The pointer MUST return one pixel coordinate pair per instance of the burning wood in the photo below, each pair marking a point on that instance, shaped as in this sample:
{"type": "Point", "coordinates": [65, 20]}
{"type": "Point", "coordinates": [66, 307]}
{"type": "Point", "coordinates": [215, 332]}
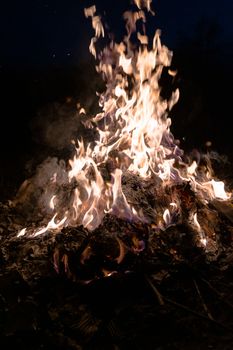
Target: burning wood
{"type": "Point", "coordinates": [130, 200]}
{"type": "Point", "coordinates": [133, 138]}
{"type": "Point", "coordinates": [133, 171]}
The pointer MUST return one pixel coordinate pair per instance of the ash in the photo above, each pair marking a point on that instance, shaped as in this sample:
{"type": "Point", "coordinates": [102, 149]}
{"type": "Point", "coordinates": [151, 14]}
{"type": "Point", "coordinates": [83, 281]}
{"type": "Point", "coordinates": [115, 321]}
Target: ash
{"type": "Point", "coordinates": [113, 287]}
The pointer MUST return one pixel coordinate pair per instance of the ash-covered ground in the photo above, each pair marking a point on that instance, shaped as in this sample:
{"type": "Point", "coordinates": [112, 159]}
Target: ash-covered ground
{"type": "Point", "coordinates": [124, 285]}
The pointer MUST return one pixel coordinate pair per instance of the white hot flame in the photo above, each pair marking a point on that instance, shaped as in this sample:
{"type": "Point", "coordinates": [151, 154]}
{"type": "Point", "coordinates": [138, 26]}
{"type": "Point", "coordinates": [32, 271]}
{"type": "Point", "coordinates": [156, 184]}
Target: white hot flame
{"type": "Point", "coordinates": [133, 135]}
{"type": "Point", "coordinates": [52, 203]}
{"type": "Point", "coordinates": [22, 232]}
{"type": "Point", "coordinates": [51, 226]}
{"type": "Point", "coordinates": [203, 239]}
{"type": "Point", "coordinates": [219, 190]}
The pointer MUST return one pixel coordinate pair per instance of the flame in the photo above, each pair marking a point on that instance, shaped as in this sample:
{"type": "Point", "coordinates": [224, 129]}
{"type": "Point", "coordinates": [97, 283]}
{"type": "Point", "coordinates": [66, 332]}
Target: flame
{"type": "Point", "coordinates": [168, 215]}
{"type": "Point", "coordinates": [202, 238]}
{"type": "Point", "coordinates": [191, 170]}
{"type": "Point", "coordinates": [52, 202]}
{"type": "Point", "coordinates": [51, 226]}
{"type": "Point", "coordinates": [219, 190]}
{"type": "Point", "coordinates": [22, 232]}
{"type": "Point", "coordinates": [133, 134]}
{"type": "Point", "coordinates": [120, 206]}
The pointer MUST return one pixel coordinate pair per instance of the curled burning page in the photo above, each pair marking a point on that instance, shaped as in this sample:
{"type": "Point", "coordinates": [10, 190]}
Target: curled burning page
{"type": "Point", "coordinates": [133, 137]}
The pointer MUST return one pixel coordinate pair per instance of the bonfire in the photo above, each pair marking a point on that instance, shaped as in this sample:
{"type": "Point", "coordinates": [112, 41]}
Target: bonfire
{"type": "Point", "coordinates": [129, 198]}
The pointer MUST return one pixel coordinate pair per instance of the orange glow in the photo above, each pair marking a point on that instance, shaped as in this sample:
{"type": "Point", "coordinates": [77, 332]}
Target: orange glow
{"type": "Point", "coordinates": [133, 132]}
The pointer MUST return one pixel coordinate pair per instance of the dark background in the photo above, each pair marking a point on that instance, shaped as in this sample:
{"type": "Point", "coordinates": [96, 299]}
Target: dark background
{"type": "Point", "coordinates": [45, 66]}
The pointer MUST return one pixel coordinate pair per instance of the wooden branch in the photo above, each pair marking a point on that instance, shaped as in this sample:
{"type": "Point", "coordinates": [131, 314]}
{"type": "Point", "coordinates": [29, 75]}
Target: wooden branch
{"type": "Point", "coordinates": [224, 300]}
{"type": "Point", "coordinates": [202, 301]}
{"type": "Point", "coordinates": [187, 309]}
{"type": "Point", "coordinates": [155, 290]}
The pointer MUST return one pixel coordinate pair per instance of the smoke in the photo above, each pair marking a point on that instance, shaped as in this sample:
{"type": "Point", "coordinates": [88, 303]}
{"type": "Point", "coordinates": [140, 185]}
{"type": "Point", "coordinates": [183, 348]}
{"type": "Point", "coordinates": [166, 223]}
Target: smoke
{"type": "Point", "coordinates": [56, 125]}
{"type": "Point", "coordinates": [34, 192]}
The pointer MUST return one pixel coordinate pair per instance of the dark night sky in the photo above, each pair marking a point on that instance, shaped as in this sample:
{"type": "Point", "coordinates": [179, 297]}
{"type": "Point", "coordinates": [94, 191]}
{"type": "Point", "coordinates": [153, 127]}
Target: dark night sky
{"type": "Point", "coordinates": [42, 32]}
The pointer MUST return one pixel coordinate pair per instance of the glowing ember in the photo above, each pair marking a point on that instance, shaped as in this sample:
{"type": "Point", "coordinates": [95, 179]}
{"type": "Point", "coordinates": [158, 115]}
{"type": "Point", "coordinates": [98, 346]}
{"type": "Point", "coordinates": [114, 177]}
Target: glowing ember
{"type": "Point", "coordinates": [134, 136]}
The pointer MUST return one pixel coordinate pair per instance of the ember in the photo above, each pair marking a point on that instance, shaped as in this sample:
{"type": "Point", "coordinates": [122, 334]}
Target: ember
{"type": "Point", "coordinates": [130, 201]}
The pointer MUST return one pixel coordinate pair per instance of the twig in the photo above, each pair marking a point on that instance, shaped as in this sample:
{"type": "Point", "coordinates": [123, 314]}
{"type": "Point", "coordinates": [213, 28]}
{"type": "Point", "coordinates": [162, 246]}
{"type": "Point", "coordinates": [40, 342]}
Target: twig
{"type": "Point", "coordinates": [202, 300]}
{"type": "Point", "coordinates": [159, 296]}
{"type": "Point", "coordinates": [217, 292]}
{"type": "Point", "coordinates": [217, 323]}
{"type": "Point", "coordinates": [187, 309]}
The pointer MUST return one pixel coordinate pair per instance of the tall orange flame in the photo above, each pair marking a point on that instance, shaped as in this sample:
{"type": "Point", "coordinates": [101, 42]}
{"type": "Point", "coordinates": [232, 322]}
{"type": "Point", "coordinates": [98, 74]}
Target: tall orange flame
{"type": "Point", "coordinates": [134, 126]}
